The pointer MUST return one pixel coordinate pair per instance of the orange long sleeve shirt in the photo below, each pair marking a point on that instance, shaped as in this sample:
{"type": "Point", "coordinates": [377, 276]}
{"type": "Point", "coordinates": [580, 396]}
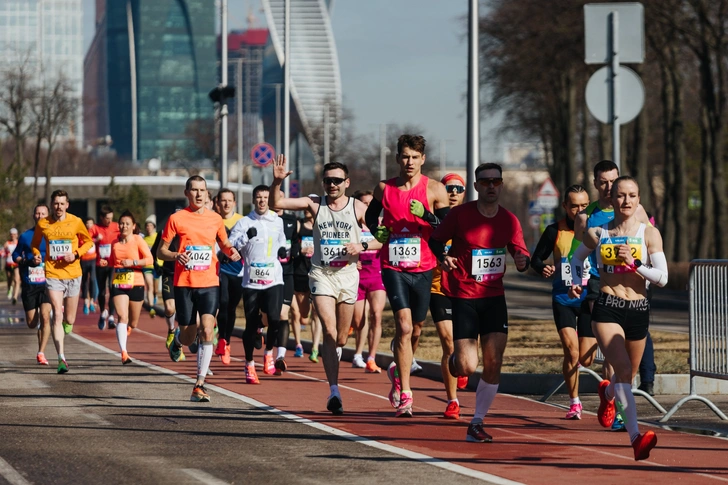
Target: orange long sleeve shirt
{"type": "Point", "coordinates": [62, 237]}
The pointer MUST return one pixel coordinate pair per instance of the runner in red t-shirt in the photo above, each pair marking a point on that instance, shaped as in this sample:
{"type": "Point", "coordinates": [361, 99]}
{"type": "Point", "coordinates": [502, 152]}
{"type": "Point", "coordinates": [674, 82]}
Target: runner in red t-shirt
{"type": "Point", "coordinates": [104, 234]}
{"type": "Point", "coordinates": [407, 262]}
{"type": "Point", "coordinates": [481, 232]}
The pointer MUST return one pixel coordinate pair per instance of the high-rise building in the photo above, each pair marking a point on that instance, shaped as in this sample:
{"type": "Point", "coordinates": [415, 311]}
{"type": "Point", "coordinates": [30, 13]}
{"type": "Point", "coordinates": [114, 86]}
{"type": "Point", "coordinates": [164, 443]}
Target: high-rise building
{"type": "Point", "coordinates": [155, 62]}
{"type": "Point", "coordinates": [49, 34]}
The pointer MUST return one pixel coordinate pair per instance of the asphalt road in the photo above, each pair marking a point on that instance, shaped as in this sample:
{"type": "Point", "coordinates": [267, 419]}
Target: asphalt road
{"type": "Point", "coordinates": [103, 422]}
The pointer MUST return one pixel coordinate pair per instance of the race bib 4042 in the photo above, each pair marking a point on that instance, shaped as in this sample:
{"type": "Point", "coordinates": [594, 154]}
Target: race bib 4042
{"type": "Point", "coordinates": [488, 264]}
{"type": "Point", "coordinates": [200, 257]}
{"type": "Point", "coordinates": [404, 251]}
{"type": "Point", "coordinates": [333, 252]}
{"type": "Point", "coordinates": [58, 248]}
{"type": "Point", "coordinates": [262, 273]}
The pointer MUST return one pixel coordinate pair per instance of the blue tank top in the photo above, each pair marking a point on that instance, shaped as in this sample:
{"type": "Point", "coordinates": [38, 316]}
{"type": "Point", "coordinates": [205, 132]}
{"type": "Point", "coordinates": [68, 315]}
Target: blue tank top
{"type": "Point", "coordinates": [597, 217]}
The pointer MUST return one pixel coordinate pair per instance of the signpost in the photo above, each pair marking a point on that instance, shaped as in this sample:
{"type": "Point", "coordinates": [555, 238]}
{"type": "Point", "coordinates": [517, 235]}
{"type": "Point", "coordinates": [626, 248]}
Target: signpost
{"type": "Point", "coordinates": [548, 195]}
{"type": "Point", "coordinates": [262, 155]}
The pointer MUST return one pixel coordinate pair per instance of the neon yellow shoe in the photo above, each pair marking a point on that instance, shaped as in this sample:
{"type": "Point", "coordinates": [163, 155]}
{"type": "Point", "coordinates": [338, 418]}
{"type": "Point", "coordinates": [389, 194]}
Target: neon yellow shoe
{"type": "Point", "coordinates": [67, 327]}
{"type": "Point", "coordinates": [170, 338]}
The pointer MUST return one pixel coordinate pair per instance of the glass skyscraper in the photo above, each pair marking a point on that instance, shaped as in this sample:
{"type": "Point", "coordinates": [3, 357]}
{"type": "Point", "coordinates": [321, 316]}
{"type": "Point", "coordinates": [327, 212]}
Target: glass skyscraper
{"type": "Point", "coordinates": [172, 59]}
{"type": "Point", "coordinates": [49, 33]}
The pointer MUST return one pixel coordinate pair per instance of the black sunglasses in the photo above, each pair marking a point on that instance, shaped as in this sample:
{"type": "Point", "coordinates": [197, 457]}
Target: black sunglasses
{"type": "Point", "coordinates": [496, 181]}
{"type": "Point", "coordinates": [333, 180]}
{"type": "Point", "coordinates": [459, 189]}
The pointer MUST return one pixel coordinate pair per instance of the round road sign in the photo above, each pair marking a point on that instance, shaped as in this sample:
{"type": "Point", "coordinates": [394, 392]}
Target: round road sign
{"type": "Point", "coordinates": [262, 154]}
{"type": "Point", "coordinates": [631, 95]}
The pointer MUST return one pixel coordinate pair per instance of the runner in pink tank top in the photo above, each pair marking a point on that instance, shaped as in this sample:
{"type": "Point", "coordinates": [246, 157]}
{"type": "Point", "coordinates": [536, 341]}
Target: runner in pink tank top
{"type": "Point", "coordinates": [408, 202]}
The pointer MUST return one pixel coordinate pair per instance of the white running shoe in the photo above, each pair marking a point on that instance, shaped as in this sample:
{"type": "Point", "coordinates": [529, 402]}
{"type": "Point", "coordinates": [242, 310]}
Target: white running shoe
{"type": "Point", "coordinates": [416, 368]}
{"type": "Point", "coordinates": [358, 362]}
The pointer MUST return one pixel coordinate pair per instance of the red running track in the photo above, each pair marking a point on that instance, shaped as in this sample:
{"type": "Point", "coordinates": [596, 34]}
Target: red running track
{"type": "Point", "coordinates": [532, 441]}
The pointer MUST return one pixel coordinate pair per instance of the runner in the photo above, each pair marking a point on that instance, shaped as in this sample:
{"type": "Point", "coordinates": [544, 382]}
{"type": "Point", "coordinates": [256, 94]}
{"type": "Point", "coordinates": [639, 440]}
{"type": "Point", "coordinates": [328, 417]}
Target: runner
{"type": "Point", "coordinates": [129, 255]}
{"type": "Point", "coordinates": [36, 304]}
{"type": "Point", "coordinates": [261, 240]}
{"type": "Point", "coordinates": [573, 325]}
{"type": "Point", "coordinates": [407, 261]}
{"type": "Point", "coordinates": [89, 286]}
{"type": "Point", "coordinates": [150, 229]}
{"type": "Point", "coordinates": [481, 232]}
{"type": "Point", "coordinates": [11, 265]}
{"type": "Point", "coordinates": [333, 277]}
{"type": "Point", "coordinates": [231, 284]}
{"type": "Point", "coordinates": [196, 281]}
{"type": "Point", "coordinates": [66, 241]}
{"type": "Point", "coordinates": [441, 309]}
{"type": "Point", "coordinates": [630, 253]}
{"type": "Point", "coordinates": [371, 290]}
{"type": "Point", "coordinates": [302, 290]}
{"type": "Point", "coordinates": [104, 234]}
{"type": "Point", "coordinates": [290, 228]}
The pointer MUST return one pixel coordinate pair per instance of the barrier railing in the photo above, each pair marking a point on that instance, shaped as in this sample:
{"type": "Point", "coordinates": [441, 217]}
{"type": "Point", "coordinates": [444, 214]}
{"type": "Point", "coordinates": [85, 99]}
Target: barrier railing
{"type": "Point", "coordinates": [708, 290]}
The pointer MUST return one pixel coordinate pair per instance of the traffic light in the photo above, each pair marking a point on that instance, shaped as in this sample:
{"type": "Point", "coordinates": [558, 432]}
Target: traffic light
{"type": "Point", "coordinates": [221, 94]}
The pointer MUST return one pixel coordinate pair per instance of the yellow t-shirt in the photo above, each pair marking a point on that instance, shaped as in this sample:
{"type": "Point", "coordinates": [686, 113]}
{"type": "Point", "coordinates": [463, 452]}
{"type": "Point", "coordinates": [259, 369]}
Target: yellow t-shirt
{"type": "Point", "coordinates": [230, 223]}
{"type": "Point", "coordinates": [62, 237]}
{"type": "Point", "coordinates": [150, 242]}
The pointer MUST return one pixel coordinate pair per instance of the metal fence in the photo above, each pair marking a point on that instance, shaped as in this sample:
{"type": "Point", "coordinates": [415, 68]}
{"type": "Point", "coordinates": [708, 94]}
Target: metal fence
{"type": "Point", "coordinates": [708, 289]}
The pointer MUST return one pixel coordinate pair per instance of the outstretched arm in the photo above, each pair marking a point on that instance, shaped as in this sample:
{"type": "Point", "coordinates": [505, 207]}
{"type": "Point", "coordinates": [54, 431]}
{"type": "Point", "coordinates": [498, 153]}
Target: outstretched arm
{"type": "Point", "coordinates": [278, 200]}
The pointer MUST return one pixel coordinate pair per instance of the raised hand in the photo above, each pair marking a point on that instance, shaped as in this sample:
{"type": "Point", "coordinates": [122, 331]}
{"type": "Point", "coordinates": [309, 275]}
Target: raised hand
{"type": "Point", "coordinates": [280, 168]}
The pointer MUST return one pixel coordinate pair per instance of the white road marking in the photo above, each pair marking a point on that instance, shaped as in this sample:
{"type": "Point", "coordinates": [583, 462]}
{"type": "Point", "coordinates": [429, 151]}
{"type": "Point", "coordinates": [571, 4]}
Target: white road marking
{"type": "Point", "coordinates": [422, 458]}
{"type": "Point", "coordinates": [11, 474]}
{"type": "Point", "coordinates": [203, 477]}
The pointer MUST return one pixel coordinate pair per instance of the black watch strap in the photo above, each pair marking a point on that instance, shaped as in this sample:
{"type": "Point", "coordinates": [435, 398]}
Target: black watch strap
{"type": "Point", "coordinates": [365, 245]}
{"type": "Point", "coordinates": [637, 263]}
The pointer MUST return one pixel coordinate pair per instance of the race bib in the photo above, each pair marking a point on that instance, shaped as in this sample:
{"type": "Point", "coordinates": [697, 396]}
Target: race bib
{"type": "Point", "coordinates": [104, 251]}
{"type": "Point", "coordinates": [58, 248]}
{"type": "Point", "coordinates": [488, 264]}
{"type": "Point", "coordinates": [200, 257]}
{"type": "Point", "coordinates": [262, 273]}
{"type": "Point", "coordinates": [404, 251]}
{"type": "Point", "coordinates": [608, 252]}
{"type": "Point", "coordinates": [288, 251]}
{"type": "Point", "coordinates": [123, 279]}
{"type": "Point", "coordinates": [92, 249]}
{"type": "Point", "coordinates": [307, 242]}
{"type": "Point", "coordinates": [36, 274]}
{"type": "Point", "coordinates": [333, 252]}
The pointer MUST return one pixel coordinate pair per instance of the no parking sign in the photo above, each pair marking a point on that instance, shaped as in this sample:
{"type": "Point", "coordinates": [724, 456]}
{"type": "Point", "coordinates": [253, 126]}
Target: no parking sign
{"type": "Point", "coordinates": [262, 154]}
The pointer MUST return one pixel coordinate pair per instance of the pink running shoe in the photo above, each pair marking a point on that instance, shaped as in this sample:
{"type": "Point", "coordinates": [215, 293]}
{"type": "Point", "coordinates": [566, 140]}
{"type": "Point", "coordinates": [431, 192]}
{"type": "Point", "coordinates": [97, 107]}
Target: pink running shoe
{"type": "Point", "coordinates": [574, 411]}
{"type": "Point", "coordinates": [404, 410]}
{"type": "Point", "coordinates": [394, 393]}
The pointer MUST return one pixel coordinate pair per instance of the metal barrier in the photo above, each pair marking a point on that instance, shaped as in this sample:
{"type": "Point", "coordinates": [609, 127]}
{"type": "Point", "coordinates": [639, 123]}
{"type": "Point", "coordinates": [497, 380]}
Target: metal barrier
{"type": "Point", "coordinates": [708, 290]}
{"type": "Point", "coordinates": [599, 359]}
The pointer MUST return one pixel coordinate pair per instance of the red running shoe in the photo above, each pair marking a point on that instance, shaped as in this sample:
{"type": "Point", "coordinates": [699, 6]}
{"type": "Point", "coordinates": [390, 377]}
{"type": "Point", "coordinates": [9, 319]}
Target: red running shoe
{"type": "Point", "coordinates": [220, 349]}
{"type": "Point", "coordinates": [463, 382]}
{"type": "Point", "coordinates": [643, 444]}
{"type": "Point", "coordinates": [269, 367]}
{"type": "Point", "coordinates": [607, 411]}
{"type": "Point", "coordinates": [251, 377]}
{"type": "Point", "coordinates": [452, 410]}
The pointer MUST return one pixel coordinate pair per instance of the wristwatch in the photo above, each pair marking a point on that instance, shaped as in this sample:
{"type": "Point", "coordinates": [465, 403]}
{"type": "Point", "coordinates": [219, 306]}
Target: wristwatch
{"type": "Point", "coordinates": [637, 263]}
{"type": "Point", "coordinates": [365, 245]}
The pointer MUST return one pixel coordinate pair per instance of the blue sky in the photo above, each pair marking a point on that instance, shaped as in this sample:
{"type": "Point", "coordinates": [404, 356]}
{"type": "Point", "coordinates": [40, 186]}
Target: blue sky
{"type": "Point", "coordinates": [401, 61]}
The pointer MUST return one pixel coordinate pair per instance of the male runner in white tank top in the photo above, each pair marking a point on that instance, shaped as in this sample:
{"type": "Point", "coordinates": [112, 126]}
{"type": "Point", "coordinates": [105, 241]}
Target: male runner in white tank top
{"type": "Point", "coordinates": [333, 278]}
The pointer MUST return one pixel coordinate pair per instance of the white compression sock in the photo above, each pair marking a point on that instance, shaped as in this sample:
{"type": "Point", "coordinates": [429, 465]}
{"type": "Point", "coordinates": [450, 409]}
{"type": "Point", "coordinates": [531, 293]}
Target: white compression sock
{"type": "Point", "coordinates": [121, 335]}
{"type": "Point", "coordinates": [170, 321]}
{"type": "Point", "coordinates": [628, 408]}
{"type": "Point", "coordinates": [484, 396]}
{"type": "Point", "coordinates": [204, 356]}
{"type": "Point", "coordinates": [281, 353]}
{"type": "Point", "coordinates": [339, 351]}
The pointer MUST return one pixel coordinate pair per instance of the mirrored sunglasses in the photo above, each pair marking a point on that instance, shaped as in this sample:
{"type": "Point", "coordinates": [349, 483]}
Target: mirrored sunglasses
{"type": "Point", "coordinates": [458, 189]}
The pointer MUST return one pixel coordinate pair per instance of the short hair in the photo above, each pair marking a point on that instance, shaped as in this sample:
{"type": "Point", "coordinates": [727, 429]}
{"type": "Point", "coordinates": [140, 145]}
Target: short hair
{"type": "Point", "coordinates": [413, 142]}
{"type": "Point", "coordinates": [225, 191]}
{"type": "Point", "coordinates": [194, 178]}
{"type": "Point", "coordinates": [605, 166]}
{"type": "Point", "coordinates": [488, 166]}
{"type": "Point", "coordinates": [60, 193]}
{"type": "Point", "coordinates": [623, 178]}
{"type": "Point", "coordinates": [334, 166]}
{"type": "Point", "coordinates": [260, 188]}
{"type": "Point", "coordinates": [105, 211]}
{"type": "Point", "coordinates": [573, 189]}
{"type": "Point", "coordinates": [40, 205]}
{"type": "Point", "coordinates": [361, 193]}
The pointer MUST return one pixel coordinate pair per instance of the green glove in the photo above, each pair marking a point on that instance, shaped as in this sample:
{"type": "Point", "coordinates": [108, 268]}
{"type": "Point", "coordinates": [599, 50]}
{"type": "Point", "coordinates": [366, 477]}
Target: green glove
{"type": "Point", "coordinates": [381, 234]}
{"type": "Point", "coordinates": [417, 208]}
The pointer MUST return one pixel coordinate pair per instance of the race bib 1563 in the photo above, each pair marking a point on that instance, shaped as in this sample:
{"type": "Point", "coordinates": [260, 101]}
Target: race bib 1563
{"type": "Point", "coordinates": [488, 264]}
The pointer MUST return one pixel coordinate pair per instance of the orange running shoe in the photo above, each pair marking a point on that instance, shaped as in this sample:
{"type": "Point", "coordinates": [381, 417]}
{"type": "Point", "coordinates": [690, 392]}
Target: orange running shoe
{"type": "Point", "coordinates": [269, 367]}
{"type": "Point", "coordinates": [41, 359]}
{"type": "Point", "coordinates": [372, 367]}
{"type": "Point", "coordinates": [125, 358]}
{"type": "Point", "coordinates": [607, 411]}
{"type": "Point", "coordinates": [643, 444]}
{"type": "Point", "coordinates": [463, 382]}
{"type": "Point", "coordinates": [251, 377]}
{"type": "Point", "coordinates": [225, 357]}
{"type": "Point", "coordinates": [452, 410]}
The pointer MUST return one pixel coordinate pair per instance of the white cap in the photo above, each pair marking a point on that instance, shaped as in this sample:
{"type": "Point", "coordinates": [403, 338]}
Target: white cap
{"type": "Point", "coordinates": [153, 219]}
{"type": "Point", "coordinates": [13, 231]}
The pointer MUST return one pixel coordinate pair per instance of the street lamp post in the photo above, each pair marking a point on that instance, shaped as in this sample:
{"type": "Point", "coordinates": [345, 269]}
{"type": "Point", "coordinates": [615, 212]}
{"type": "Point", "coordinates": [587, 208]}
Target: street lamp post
{"type": "Point", "coordinates": [287, 88]}
{"type": "Point", "coordinates": [223, 106]}
{"type": "Point", "coordinates": [473, 100]}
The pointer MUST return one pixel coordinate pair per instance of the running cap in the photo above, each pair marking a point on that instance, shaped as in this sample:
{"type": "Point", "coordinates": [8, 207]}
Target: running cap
{"type": "Point", "coordinates": [153, 219]}
{"type": "Point", "coordinates": [452, 176]}
{"type": "Point", "coordinates": [13, 231]}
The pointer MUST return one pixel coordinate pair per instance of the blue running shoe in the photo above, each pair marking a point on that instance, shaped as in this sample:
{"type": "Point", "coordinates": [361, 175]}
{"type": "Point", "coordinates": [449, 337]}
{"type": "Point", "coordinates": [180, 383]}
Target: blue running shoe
{"type": "Point", "coordinates": [299, 351]}
{"type": "Point", "coordinates": [618, 424]}
{"type": "Point", "coordinates": [175, 350]}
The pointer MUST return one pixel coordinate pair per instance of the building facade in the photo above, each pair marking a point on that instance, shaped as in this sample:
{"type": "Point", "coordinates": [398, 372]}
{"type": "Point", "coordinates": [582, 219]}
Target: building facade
{"type": "Point", "coordinates": [48, 35]}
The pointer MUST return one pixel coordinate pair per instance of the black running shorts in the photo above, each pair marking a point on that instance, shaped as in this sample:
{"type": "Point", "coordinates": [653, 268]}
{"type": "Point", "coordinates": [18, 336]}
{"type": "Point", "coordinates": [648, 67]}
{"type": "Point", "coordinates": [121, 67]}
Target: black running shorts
{"type": "Point", "coordinates": [135, 293]}
{"type": "Point", "coordinates": [440, 307]}
{"type": "Point", "coordinates": [33, 296]}
{"type": "Point", "coordinates": [408, 290]}
{"type": "Point", "coordinates": [300, 283]}
{"type": "Point", "coordinates": [267, 301]}
{"type": "Point", "coordinates": [572, 317]}
{"type": "Point", "coordinates": [472, 317]}
{"type": "Point", "coordinates": [167, 287]}
{"type": "Point", "coordinates": [632, 315]}
{"type": "Point", "coordinates": [191, 301]}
